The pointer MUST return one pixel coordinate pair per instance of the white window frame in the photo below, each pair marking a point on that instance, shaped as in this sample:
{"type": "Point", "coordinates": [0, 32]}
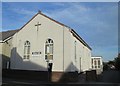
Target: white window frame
{"type": "Point", "coordinates": [49, 45]}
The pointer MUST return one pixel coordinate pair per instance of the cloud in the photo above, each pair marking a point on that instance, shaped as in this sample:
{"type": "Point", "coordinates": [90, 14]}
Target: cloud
{"type": "Point", "coordinates": [97, 24]}
{"type": "Point", "coordinates": [23, 11]}
{"type": "Point", "coordinates": [93, 23]}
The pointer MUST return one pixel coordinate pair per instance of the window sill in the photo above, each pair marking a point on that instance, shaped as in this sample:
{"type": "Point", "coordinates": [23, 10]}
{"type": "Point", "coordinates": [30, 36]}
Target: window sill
{"type": "Point", "coordinates": [26, 59]}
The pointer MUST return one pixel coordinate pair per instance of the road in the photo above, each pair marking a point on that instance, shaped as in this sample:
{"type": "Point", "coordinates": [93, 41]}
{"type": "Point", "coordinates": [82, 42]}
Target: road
{"type": "Point", "coordinates": [110, 76]}
{"type": "Point", "coordinates": [107, 78]}
{"type": "Point", "coordinates": [14, 82]}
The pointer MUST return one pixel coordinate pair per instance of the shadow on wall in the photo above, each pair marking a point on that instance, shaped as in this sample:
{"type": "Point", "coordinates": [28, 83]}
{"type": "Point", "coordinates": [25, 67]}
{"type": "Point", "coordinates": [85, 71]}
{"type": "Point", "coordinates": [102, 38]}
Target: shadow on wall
{"type": "Point", "coordinates": [22, 69]}
{"type": "Point", "coordinates": [17, 60]}
{"type": "Point", "coordinates": [5, 62]}
{"type": "Point", "coordinates": [20, 72]}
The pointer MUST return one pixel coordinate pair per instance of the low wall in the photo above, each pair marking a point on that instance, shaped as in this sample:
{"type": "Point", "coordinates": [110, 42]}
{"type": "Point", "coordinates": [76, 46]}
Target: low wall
{"type": "Point", "coordinates": [91, 76]}
{"type": "Point", "coordinates": [25, 74]}
{"type": "Point", "coordinates": [64, 77]}
{"type": "Point", "coordinates": [41, 75]}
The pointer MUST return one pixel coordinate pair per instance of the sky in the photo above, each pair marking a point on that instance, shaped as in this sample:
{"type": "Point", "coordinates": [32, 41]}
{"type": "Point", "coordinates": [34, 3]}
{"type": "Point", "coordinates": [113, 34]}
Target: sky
{"type": "Point", "coordinates": [95, 22]}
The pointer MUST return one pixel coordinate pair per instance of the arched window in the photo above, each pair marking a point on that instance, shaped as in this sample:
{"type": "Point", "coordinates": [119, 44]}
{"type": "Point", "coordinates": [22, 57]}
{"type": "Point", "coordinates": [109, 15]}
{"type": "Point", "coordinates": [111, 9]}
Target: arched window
{"type": "Point", "coordinates": [27, 50]}
{"type": "Point", "coordinates": [49, 49]}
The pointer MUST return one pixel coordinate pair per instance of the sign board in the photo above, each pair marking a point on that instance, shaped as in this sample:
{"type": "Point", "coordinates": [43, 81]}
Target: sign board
{"type": "Point", "coordinates": [36, 53]}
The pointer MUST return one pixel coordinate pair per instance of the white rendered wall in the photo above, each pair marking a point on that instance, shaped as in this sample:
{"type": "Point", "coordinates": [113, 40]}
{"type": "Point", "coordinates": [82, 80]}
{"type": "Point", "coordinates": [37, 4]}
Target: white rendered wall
{"type": "Point", "coordinates": [83, 56]}
{"type": "Point", "coordinates": [48, 29]}
{"type": "Point", "coordinates": [68, 64]}
{"type": "Point", "coordinates": [64, 49]}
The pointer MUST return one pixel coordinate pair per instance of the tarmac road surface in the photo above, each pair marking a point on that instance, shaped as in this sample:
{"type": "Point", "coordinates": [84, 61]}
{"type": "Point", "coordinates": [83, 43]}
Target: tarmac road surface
{"type": "Point", "coordinates": [14, 82]}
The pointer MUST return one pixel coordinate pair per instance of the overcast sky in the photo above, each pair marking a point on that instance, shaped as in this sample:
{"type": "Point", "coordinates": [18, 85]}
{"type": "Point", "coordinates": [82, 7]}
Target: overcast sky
{"type": "Point", "coordinates": [96, 23]}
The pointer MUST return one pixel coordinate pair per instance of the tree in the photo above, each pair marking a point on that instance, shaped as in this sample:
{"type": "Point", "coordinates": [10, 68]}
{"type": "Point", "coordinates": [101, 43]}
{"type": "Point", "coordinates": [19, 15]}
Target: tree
{"type": "Point", "coordinates": [111, 63]}
{"type": "Point", "coordinates": [105, 66]}
{"type": "Point", "coordinates": [117, 62]}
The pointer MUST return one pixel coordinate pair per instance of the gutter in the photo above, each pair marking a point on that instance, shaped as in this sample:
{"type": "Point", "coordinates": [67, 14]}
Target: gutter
{"type": "Point", "coordinates": [3, 41]}
{"type": "Point", "coordinates": [79, 38]}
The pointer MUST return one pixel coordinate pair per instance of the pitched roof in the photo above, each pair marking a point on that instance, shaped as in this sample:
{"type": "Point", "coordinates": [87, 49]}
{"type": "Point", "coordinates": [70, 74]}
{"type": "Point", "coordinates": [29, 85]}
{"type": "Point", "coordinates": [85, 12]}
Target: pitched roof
{"type": "Point", "coordinates": [44, 16]}
{"type": "Point", "coordinates": [4, 35]}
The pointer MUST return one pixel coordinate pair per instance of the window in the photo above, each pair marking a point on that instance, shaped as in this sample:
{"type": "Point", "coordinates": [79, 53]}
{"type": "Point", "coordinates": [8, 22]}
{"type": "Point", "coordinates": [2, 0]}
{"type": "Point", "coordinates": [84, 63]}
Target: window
{"type": "Point", "coordinates": [49, 49]}
{"type": "Point", "coordinates": [95, 63]}
{"type": "Point", "coordinates": [98, 63]}
{"type": "Point", "coordinates": [98, 66]}
{"type": "Point", "coordinates": [27, 50]}
{"type": "Point", "coordinates": [92, 66]}
{"type": "Point", "coordinates": [92, 61]}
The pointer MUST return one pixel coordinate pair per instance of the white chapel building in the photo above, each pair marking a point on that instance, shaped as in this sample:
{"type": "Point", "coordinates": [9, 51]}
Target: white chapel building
{"type": "Point", "coordinates": [43, 40]}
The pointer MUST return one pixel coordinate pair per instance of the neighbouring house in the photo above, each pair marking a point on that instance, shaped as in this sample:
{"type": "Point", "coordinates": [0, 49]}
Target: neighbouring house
{"type": "Point", "coordinates": [97, 64]}
{"type": "Point", "coordinates": [0, 69]}
{"type": "Point", "coordinates": [5, 47]}
{"type": "Point", "coordinates": [44, 44]}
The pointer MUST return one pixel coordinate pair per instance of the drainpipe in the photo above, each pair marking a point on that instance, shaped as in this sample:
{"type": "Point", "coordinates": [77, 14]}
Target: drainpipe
{"type": "Point", "coordinates": [80, 64]}
{"type": "Point", "coordinates": [75, 56]}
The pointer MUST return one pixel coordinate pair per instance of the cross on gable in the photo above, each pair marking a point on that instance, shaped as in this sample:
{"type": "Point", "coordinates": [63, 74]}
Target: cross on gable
{"type": "Point", "coordinates": [37, 25]}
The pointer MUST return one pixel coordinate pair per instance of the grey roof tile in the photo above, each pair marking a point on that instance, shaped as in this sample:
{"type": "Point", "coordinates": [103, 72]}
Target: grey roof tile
{"type": "Point", "coordinates": [6, 34]}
